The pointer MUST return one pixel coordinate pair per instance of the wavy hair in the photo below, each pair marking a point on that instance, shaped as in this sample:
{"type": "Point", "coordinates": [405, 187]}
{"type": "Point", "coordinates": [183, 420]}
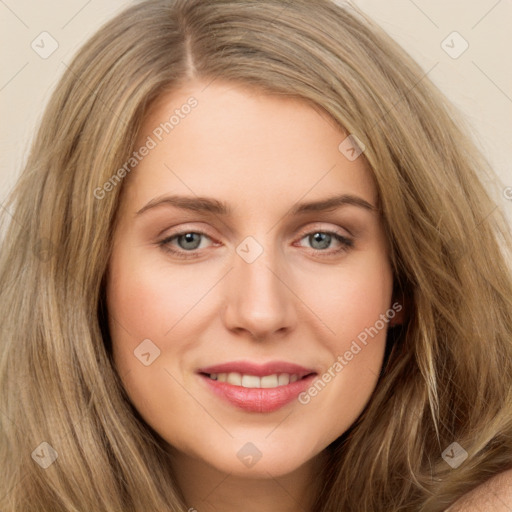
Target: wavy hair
{"type": "Point", "coordinates": [448, 374]}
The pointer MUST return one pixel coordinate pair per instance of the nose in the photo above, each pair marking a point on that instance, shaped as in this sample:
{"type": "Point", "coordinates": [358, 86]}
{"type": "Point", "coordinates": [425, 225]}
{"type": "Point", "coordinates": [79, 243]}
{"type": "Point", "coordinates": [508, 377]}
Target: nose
{"type": "Point", "coordinates": [259, 300]}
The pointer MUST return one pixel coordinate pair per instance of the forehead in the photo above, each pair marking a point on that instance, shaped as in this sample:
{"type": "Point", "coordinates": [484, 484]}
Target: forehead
{"type": "Point", "coordinates": [243, 146]}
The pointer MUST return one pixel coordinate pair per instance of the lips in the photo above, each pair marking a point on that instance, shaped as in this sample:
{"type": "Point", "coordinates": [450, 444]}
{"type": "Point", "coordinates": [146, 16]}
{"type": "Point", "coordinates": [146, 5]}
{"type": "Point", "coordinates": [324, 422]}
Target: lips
{"type": "Point", "coordinates": [256, 387]}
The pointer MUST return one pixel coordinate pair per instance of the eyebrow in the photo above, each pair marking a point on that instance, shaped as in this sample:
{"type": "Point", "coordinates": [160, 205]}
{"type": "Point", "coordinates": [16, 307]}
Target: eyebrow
{"type": "Point", "coordinates": [210, 205]}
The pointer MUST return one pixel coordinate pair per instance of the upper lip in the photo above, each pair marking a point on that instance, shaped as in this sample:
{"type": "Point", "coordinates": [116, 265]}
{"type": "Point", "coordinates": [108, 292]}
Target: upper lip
{"type": "Point", "coordinates": [258, 369]}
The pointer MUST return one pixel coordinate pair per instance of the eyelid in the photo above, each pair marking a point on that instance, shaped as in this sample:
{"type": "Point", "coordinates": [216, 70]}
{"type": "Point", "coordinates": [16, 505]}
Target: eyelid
{"type": "Point", "coordinates": [185, 227]}
{"type": "Point", "coordinates": [320, 227]}
{"type": "Point", "coordinates": [307, 229]}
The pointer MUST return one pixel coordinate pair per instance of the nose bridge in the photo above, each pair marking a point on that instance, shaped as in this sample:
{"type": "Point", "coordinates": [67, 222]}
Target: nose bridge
{"type": "Point", "coordinates": [258, 300]}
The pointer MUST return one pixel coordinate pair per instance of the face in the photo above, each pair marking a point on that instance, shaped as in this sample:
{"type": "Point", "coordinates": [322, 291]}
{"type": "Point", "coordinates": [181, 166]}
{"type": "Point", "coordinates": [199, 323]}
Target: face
{"type": "Point", "coordinates": [249, 287]}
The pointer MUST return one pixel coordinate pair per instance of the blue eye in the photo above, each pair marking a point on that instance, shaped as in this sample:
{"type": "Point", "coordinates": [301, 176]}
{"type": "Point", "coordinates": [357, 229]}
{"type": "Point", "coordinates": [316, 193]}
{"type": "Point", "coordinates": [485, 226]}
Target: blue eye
{"type": "Point", "coordinates": [187, 244]}
{"type": "Point", "coordinates": [321, 240]}
{"type": "Point", "coordinates": [189, 241]}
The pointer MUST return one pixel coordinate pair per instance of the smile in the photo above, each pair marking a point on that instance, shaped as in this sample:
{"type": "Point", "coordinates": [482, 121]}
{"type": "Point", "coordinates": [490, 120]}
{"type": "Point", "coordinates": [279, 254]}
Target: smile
{"type": "Point", "coordinates": [253, 381]}
{"type": "Point", "coordinates": [257, 388]}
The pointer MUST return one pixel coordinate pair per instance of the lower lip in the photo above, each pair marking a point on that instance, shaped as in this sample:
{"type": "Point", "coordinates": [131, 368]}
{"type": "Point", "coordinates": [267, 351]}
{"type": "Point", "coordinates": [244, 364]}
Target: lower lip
{"type": "Point", "coordinates": [259, 399]}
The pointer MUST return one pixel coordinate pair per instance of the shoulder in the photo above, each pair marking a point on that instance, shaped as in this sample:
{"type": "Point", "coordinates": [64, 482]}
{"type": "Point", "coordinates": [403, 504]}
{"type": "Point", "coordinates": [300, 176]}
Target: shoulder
{"type": "Point", "coordinates": [495, 494]}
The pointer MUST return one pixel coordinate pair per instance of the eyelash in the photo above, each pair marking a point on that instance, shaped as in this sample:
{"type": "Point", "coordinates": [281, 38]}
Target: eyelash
{"type": "Point", "coordinates": [346, 244]}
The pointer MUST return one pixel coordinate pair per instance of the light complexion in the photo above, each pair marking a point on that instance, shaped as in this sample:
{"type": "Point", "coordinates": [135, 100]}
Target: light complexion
{"type": "Point", "coordinates": [180, 276]}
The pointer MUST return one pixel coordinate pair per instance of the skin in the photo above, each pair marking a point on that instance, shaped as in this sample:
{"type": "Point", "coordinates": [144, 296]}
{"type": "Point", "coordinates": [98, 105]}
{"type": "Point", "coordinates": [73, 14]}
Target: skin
{"type": "Point", "coordinates": [298, 301]}
{"type": "Point", "coordinates": [495, 494]}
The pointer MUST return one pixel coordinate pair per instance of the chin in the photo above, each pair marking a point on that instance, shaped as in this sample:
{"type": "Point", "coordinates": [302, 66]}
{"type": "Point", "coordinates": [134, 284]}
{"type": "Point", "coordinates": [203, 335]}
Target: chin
{"type": "Point", "coordinates": [270, 465]}
{"type": "Point", "coordinates": [254, 459]}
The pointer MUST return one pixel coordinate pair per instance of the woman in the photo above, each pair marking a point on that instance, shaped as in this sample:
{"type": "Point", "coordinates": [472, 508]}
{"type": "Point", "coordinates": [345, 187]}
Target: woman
{"type": "Point", "coordinates": [252, 264]}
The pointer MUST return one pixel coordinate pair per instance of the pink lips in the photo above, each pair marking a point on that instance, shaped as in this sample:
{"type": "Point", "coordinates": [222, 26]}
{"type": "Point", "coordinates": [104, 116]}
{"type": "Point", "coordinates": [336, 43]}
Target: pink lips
{"type": "Point", "coordinates": [261, 400]}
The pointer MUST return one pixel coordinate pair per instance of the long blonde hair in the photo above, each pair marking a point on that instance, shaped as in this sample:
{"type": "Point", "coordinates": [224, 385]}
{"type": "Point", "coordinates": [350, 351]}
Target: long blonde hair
{"type": "Point", "coordinates": [448, 373]}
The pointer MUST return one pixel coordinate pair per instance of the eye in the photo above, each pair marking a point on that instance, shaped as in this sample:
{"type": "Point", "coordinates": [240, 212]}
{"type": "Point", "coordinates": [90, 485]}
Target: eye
{"type": "Point", "coordinates": [320, 241]}
{"type": "Point", "coordinates": [185, 242]}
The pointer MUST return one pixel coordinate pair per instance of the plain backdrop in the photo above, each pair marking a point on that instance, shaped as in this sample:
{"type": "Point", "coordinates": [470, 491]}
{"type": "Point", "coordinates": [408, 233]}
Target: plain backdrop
{"type": "Point", "coordinates": [463, 46]}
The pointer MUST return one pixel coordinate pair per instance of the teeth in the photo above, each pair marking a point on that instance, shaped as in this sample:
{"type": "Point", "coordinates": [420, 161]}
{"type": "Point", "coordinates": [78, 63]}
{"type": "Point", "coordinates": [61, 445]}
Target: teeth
{"type": "Point", "coordinates": [234, 378]}
{"type": "Point", "coordinates": [252, 381]}
{"type": "Point", "coordinates": [283, 379]}
{"type": "Point", "coordinates": [269, 381]}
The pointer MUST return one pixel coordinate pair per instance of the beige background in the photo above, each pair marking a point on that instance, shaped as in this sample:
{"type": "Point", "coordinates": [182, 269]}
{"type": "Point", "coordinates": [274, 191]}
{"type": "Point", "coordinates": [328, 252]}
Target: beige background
{"type": "Point", "coordinates": [478, 81]}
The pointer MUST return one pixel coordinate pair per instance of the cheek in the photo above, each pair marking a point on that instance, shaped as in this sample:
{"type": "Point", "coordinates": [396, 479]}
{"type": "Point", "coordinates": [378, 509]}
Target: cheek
{"type": "Point", "coordinates": [350, 298]}
{"type": "Point", "coordinates": [351, 303]}
{"type": "Point", "coordinates": [141, 307]}
{"type": "Point", "coordinates": [146, 298]}
{"type": "Point", "coordinates": [145, 302]}
{"type": "Point", "coordinates": [149, 300]}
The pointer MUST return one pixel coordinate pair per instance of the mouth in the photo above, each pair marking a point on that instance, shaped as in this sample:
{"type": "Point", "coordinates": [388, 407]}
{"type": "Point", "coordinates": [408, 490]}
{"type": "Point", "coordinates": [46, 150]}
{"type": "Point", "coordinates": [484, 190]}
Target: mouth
{"type": "Point", "coordinates": [257, 388]}
{"type": "Point", "coordinates": [253, 381]}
